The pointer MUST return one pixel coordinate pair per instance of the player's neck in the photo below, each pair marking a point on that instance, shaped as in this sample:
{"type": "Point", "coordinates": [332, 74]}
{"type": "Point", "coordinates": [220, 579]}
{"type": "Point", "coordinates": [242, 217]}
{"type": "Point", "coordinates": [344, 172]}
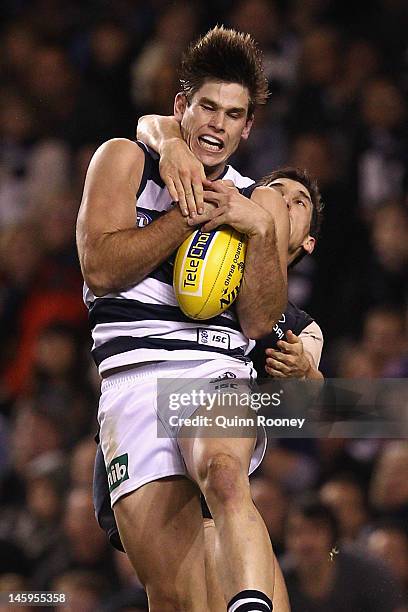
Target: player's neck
{"type": "Point", "coordinates": [214, 172]}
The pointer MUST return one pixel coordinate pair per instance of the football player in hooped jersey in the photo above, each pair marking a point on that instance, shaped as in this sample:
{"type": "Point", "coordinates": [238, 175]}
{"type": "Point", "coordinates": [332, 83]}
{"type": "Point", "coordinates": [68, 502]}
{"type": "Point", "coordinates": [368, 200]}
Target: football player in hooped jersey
{"type": "Point", "coordinates": [140, 335]}
{"type": "Point", "coordinates": [291, 355]}
{"type": "Point", "coordinates": [291, 350]}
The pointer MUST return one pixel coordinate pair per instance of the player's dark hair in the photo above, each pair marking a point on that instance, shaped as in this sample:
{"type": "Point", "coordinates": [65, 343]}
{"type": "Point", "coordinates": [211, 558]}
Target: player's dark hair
{"type": "Point", "coordinates": [225, 55]}
{"type": "Point", "coordinates": [301, 176]}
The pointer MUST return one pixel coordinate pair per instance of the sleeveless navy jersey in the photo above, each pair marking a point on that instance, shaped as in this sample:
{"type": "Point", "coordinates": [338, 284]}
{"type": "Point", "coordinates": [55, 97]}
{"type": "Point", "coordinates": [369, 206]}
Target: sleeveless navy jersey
{"type": "Point", "coordinates": [293, 318]}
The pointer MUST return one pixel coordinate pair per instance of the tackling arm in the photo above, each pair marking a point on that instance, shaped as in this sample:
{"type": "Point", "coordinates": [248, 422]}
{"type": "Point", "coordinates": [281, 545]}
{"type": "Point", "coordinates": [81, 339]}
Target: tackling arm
{"type": "Point", "coordinates": [265, 222]}
{"type": "Point", "coordinates": [180, 170]}
{"type": "Point", "coordinates": [263, 294]}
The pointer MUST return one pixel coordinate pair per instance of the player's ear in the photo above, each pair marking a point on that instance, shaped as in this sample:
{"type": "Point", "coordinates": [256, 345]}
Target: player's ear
{"type": "Point", "coordinates": [180, 104]}
{"type": "Point", "coordinates": [247, 129]}
{"type": "Point", "coordinates": [309, 244]}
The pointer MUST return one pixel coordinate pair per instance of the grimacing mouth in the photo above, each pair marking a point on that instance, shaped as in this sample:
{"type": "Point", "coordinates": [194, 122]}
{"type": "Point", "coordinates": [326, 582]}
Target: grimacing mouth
{"type": "Point", "coordinates": [210, 143]}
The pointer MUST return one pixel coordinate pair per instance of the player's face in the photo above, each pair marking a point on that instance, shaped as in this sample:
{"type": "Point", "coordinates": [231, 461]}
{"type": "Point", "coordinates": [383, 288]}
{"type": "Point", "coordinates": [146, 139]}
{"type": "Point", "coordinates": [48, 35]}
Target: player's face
{"type": "Point", "coordinates": [300, 207]}
{"type": "Point", "coordinates": [214, 122]}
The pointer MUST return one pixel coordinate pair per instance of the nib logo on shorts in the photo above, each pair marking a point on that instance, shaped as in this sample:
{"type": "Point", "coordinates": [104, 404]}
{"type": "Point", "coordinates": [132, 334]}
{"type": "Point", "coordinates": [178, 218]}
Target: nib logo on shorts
{"type": "Point", "coordinates": [117, 471]}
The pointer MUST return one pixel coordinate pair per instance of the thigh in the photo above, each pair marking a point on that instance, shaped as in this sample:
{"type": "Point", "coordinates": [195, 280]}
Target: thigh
{"type": "Point", "coordinates": [197, 448]}
{"type": "Point", "coordinates": [225, 423]}
{"type": "Point", "coordinates": [197, 452]}
{"type": "Point", "coordinates": [134, 454]}
{"type": "Point", "coordinates": [161, 528]}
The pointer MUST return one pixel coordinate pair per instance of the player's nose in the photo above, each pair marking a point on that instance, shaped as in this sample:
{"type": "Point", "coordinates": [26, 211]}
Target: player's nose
{"type": "Point", "coordinates": [217, 121]}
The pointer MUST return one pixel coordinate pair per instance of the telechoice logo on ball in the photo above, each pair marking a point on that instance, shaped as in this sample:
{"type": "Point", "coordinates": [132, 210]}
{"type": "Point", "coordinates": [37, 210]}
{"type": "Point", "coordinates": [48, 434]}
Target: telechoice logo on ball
{"type": "Point", "coordinates": [191, 282]}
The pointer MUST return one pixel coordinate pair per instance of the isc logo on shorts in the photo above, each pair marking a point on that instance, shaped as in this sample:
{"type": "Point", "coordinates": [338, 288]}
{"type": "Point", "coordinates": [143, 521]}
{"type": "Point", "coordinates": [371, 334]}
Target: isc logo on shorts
{"type": "Point", "coordinates": [211, 337]}
{"type": "Point", "coordinates": [117, 471]}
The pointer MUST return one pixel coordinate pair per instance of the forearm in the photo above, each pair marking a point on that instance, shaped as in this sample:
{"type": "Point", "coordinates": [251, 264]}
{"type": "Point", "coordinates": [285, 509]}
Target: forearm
{"type": "Point", "coordinates": [125, 257]}
{"type": "Point", "coordinates": [263, 295]}
{"type": "Point", "coordinates": [157, 130]}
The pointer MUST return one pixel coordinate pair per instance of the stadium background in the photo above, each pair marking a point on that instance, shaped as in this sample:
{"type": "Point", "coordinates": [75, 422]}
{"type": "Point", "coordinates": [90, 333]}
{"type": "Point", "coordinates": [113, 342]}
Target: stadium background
{"type": "Point", "coordinates": [74, 74]}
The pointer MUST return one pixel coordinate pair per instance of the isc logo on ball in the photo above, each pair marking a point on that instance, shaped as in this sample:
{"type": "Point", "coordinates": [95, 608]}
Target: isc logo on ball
{"type": "Point", "coordinates": [194, 263]}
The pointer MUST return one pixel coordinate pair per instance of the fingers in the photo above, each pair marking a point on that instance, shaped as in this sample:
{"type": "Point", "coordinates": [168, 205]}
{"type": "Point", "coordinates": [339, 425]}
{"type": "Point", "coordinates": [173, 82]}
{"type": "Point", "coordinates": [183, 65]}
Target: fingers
{"type": "Point", "coordinates": [221, 186]}
{"type": "Point", "coordinates": [172, 189]}
{"type": "Point", "coordinates": [181, 198]}
{"type": "Point", "coordinates": [279, 369]}
{"type": "Point", "coordinates": [291, 337]}
{"type": "Point", "coordinates": [274, 373]}
{"type": "Point", "coordinates": [290, 349]}
{"type": "Point", "coordinates": [188, 190]}
{"type": "Point", "coordinates": [283, 358]}
{"type": "Point", "coordinates": [193, 180]}
{"type": "Point", "coordinates": [198, 194]}
{"type": "Point", "coordinates": [199, 184]}
{"type": "Point", "coordinates": [218, 218]}
{"type": "Point", "coordinates": [203, 218]}
{"type": "Point", "coordinates": [294, 344]}
{"type": "Point", "coordinates": [207, 184]}
{"type": "Point", "coordinates": [278, 354]}
{"type": "Point", "coordinates": [189, 194]}
{"type": "Point", "coordinates": [213, 197]}
{"type": "Point", "coordinates": [209, 221]}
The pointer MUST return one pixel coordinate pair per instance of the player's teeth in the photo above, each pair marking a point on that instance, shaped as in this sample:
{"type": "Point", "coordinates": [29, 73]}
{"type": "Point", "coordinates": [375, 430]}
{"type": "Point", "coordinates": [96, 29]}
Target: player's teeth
{"type": "Point", "coordinates": [211, 140]}
{"type": "Point", "coordinates": [209, 144]}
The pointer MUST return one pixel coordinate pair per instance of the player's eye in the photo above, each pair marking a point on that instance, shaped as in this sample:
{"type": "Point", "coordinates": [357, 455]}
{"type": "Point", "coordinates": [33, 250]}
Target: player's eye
{"type": "Point", "coordinates": [207, 107]}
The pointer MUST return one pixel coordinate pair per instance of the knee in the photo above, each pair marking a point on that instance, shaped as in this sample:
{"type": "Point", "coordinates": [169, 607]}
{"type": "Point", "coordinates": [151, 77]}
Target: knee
{"type": "Point", "coordinates": [224, 479]}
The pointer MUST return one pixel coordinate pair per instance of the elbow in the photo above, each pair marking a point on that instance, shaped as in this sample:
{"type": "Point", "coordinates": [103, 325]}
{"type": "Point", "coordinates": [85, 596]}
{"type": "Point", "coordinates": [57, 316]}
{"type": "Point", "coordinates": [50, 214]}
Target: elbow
{"type": "Point", "coordinates": [256, 330]}
{"type": "Point", "coordinates": [95, 274]}
{"type": "Point", "coordinates": [97, 288]}
{"type": "Point", "coordinates": [256, 333]}
{"type": "Point", "coordinates": [278, 310]}
{"type": "Point", "coordinates": [99, 291]}
{"type": "Point", "coordinates": [97, 283]}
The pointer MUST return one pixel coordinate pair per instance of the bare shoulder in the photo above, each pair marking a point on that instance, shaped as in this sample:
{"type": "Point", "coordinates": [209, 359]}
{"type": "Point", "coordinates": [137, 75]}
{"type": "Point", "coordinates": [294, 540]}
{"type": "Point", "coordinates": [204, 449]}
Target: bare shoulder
{"type": "Point", "coordinates": [116, 161]}
{"type": "Point", "coordinates": [119, 151]}
{"type": "Point", "coordinates": [120, 146]}
{"type": "Point", "coordinates": [112, 180]}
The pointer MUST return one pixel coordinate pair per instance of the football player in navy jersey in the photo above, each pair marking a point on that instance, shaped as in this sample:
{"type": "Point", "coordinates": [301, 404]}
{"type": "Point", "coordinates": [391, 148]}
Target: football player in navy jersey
{"type": "Point", "coordinates": [140, 335]}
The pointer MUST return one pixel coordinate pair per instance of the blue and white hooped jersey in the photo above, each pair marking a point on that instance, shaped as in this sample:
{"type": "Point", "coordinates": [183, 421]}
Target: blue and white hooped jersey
{"type": "Point", "coordinates": [144, 323]}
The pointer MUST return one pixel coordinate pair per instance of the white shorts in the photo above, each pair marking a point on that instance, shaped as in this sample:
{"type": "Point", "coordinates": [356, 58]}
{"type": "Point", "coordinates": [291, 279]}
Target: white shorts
{"type": "Point", "coordinates": [128, 417]}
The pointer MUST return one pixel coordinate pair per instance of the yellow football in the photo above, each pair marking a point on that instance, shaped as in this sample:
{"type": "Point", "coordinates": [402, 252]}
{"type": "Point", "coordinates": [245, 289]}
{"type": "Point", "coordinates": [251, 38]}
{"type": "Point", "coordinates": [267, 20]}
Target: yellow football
{"type": "Point", "coordinates": [208, 271]}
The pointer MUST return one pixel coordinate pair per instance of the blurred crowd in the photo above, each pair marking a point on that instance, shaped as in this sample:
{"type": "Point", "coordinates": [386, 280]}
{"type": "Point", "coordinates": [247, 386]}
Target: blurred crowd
{"type": "Point", "coordinates": [73, 74]}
